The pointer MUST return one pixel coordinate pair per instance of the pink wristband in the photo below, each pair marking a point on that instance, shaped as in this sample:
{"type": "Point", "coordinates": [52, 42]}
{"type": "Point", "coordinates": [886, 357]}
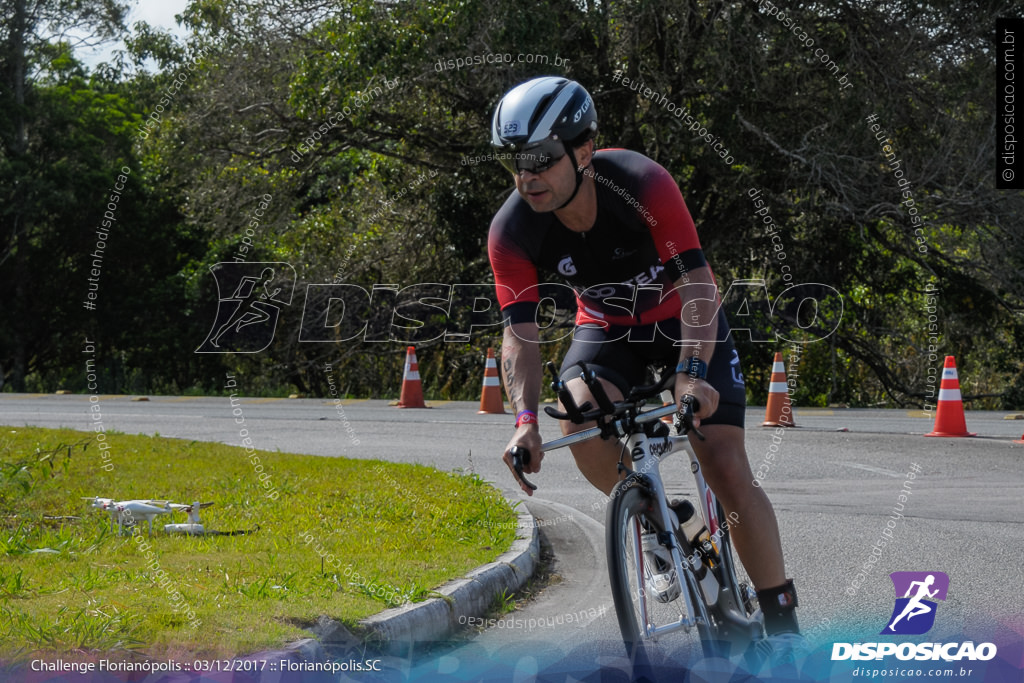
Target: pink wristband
{"type": "Point", "coordinates": [525, 417]}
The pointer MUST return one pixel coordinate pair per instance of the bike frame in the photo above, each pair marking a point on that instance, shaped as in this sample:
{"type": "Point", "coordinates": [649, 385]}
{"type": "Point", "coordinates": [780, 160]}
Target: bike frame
{"type": "Point", "coordinates": [647, 453]}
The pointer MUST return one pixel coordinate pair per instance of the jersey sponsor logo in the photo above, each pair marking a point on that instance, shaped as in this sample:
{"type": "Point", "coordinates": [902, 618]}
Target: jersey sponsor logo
{"type": "Point", "coordinates": [621, 253]}
{"type": "Point", "coordinates": [611, 290]}
{"type": "Point", "coordinates": [566, 267]}
{"type": "Point", "coordinates": [646, 277]}
{"type": "Point", "coordinates": [627, 289]}
{"type": "Point", "coordinates": [734, 366]}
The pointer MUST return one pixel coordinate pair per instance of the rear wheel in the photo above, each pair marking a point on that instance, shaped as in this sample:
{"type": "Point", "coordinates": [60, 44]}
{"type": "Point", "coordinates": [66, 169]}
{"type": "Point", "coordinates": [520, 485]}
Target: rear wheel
{"type": "Point", "coordinates": [637, 607]}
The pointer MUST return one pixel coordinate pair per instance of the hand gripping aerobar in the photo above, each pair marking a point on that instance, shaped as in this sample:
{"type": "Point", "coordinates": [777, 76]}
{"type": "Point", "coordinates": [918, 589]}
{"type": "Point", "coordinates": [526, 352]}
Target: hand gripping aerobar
{"type": "Point", "coordinates": [614, 420]}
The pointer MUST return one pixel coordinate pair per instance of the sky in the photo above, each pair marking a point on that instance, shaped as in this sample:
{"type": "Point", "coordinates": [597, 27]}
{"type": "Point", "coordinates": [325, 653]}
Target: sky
{"type": "Point", "coordinates": [158, 13]}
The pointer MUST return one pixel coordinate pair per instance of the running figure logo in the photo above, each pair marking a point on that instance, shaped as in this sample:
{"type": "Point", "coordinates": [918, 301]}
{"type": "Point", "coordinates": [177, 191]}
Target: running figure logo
{"type": "Point", "coordinates": [914, 613]}
{"type": "Point", "coordinates": [247, 318]}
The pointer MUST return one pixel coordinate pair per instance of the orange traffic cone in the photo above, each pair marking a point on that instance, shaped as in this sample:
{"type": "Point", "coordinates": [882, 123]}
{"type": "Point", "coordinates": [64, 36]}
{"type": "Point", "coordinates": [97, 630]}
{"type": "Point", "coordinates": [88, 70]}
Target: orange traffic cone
{"type": "Point", "coordinates": [949, 416]}
{"type": "Point", "coordinates": [1021, 440]}
{"type": "Point", "coordinates": [779, 412]}
{"type": "Point", "coordinates": [412, 388]}
{"type": "Point", "coordinates": [666, 398]}
{"type": "Point", "coordinates": [490, 397]}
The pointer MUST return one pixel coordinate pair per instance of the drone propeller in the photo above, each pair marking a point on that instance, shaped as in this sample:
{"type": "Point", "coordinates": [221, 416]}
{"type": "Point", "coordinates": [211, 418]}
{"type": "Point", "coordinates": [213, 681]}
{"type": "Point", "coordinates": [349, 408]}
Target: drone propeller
{"type": "Point", "coordinates": [188, 507]}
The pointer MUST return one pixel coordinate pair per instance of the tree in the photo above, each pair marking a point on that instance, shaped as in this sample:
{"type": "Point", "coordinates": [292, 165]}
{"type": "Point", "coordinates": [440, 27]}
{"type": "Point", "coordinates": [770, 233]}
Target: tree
{"type": "Point", "coordinates": [366, 124]}
{"type": "Point", "coordinates": [38, 173]}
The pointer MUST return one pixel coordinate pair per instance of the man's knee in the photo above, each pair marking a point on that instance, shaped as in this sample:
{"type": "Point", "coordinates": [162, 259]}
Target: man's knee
{"type": "Point", "coordinates": [581, 394]}
{"type": "Point", "coordinates": [724, 458]}
{"type": "Point", "coordinates": [731, 475]}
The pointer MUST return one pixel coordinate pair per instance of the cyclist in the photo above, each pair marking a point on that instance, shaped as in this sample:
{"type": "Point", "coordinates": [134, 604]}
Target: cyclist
{"type": "Point", "coordinates": [614, 224]}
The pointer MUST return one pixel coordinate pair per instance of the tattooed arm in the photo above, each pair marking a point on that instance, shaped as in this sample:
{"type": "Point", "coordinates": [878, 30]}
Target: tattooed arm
{"type": "Point", "coordinates": [521, 374]}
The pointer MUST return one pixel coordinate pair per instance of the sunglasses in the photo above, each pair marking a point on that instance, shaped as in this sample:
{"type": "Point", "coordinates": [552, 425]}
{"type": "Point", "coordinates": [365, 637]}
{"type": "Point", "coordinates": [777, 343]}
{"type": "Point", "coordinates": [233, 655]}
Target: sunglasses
{"type": "Point", "coordinates": [535, 158]}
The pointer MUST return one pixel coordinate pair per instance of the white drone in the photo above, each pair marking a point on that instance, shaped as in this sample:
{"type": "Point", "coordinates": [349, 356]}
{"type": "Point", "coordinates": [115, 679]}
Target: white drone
{"type": "Point", "coordinates": [127, 512]}
{"type": "Point", "coordinates": [193, 527]}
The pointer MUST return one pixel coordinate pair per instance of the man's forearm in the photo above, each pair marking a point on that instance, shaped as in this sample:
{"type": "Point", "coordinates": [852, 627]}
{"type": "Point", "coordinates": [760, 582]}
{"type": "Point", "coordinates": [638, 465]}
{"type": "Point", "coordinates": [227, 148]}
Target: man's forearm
{"type": "Point", "coordinates": [699, 315]}
{"type": "Point", "coordinates": [521, 368]}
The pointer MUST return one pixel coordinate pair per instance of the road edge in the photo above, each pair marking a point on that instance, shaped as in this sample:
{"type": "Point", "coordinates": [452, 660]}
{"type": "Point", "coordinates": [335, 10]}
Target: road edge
{"type": "Point", "coordinates": [395, 630]}
{"type": "Point", "coordinates": [470, 596]}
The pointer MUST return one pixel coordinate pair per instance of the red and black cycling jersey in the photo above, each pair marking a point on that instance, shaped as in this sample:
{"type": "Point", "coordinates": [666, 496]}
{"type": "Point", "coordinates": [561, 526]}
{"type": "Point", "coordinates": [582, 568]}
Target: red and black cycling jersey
{"type": "Point", "coordinates": [623, 269]}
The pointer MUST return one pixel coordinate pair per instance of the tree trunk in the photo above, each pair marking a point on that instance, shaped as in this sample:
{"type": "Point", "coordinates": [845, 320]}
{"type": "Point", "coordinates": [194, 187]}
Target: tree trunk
{"type": "Point", "coordinates": [17, 78]}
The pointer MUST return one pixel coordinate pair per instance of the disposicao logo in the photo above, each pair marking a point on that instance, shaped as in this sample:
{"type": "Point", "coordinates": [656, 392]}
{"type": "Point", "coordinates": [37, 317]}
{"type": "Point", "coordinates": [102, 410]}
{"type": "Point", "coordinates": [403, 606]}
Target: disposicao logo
{"type": "Point", "coordinates": [914, 614]}
{"type": "Point", "coordinates": [250, 297]}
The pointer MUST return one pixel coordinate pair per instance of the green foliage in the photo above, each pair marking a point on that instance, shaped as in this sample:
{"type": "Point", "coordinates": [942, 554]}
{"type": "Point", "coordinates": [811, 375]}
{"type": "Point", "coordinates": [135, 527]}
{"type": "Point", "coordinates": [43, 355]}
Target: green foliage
{"type": "Point", "coordinates": [343, 537]}
{"type": "Point", "coordinates": [355, 125]}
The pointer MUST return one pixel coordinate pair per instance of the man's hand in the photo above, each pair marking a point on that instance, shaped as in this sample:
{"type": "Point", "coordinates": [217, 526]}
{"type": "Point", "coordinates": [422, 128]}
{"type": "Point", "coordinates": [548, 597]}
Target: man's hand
{"type": "Point", "coordinates": [527, 436]}
{"type": "Point", "coordinates": [706, 395]}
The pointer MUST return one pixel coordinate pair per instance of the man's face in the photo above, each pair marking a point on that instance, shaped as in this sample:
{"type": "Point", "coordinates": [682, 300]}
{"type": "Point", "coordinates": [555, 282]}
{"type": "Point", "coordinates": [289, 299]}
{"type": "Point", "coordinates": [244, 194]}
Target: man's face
{"type": "Point", "coordinates": [549, 189]}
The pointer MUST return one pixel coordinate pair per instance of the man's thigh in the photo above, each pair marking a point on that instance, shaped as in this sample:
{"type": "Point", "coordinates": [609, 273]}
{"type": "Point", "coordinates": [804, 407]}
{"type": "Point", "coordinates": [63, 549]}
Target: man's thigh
{"type": "Point", "coordinates": [612, 356]}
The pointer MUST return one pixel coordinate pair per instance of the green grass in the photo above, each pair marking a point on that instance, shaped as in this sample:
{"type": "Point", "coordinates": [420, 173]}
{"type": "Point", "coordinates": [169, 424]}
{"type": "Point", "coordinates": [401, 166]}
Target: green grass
{"type": "Point", "coordinates": [345, 538]}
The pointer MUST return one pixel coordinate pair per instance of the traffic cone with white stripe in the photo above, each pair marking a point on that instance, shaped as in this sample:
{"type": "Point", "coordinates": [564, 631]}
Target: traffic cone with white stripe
{"type": "Point", "coordinates": [412, 388]}
{"type": "Point", "coordinates": [490, 397]}
{"type": "Point", "coordinates": [949, 416]}
{"type": "Point", "coordinates": [779, 412]}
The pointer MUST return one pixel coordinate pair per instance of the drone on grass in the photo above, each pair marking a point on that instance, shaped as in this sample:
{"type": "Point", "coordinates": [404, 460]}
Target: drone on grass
{"type": "Point", "coordinates": [128, 512]}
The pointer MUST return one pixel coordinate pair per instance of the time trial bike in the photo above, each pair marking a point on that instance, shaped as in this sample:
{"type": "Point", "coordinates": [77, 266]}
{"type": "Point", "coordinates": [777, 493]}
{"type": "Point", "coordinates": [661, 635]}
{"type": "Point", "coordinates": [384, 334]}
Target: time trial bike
{"type": "Point", "coordinates": [671, 567]}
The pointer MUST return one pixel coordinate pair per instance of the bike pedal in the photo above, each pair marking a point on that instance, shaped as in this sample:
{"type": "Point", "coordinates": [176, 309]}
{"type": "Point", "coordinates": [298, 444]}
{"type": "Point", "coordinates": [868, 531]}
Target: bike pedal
{"type": "Point", "coordinates": [749, 597]}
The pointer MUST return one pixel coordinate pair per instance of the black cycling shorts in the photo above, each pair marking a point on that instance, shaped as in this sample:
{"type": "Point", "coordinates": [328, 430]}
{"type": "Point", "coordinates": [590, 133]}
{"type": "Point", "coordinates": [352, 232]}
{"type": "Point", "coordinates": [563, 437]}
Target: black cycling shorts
{"type": "Point", "coordinates": [622, 356]}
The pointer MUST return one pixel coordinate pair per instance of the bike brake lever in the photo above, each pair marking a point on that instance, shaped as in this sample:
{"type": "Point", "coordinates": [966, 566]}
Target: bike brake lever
{"type": "Point", "coordinates": [690, 406]}
{"type": "Point", "coordinates": [519, 457]}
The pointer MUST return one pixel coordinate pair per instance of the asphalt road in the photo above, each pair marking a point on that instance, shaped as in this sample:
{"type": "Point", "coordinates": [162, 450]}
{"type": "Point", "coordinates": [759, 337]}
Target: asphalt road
{"type": "Point", "coordinates": [833, 492]}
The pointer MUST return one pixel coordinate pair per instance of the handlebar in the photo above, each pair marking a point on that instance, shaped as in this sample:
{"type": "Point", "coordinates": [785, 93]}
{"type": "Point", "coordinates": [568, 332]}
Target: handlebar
{"type": "Point", "coordinates": [619, 425]}
{"type": "Point", "coordinates": [520, 457]}
{"type": "Point", "coordinates": [579, 414]}
{"type": "Point", "coordinates": [628, 419]}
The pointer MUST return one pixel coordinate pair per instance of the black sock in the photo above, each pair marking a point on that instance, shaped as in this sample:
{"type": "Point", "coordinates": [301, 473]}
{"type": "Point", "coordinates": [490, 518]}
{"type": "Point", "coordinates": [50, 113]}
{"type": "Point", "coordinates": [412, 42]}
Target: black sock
{"type": "Point", "coordinates": [779, 608]}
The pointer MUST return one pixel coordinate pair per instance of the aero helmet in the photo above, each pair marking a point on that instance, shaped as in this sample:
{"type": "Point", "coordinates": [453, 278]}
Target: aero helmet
{"type": "Point", "coordinates": [538, 122]}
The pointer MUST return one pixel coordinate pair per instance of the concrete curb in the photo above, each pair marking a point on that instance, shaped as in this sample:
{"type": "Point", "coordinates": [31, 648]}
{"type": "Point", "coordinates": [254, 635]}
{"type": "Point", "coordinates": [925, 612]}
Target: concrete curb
{"type": "Point", "coordinates": [397, 628]}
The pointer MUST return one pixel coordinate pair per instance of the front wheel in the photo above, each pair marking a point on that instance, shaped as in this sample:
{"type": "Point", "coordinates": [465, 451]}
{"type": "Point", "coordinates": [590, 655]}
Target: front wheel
{"type": "Point", "coordinates": [637, 608]}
